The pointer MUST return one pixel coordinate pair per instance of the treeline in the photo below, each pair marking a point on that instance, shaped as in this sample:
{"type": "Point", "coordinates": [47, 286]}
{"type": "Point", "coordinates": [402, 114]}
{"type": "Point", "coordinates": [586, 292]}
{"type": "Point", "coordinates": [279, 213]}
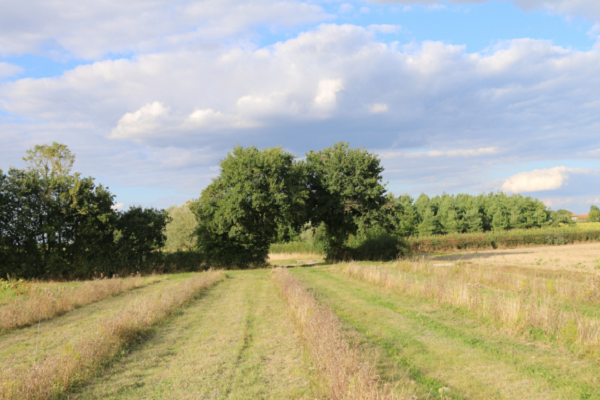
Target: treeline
{"type": "Point", "coordinates": [335, 199]}
{"type": "Point", "coordinates": [465, 213]}
{"type": "Point", "coordinates": [57, 224]}
{"type": "Point", "coordinates": [54, 224]}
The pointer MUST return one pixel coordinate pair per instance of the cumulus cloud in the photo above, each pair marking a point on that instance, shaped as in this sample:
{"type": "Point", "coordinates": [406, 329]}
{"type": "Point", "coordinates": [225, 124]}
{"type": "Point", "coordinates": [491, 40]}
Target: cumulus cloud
{"type": "Point", "coordinates": [141, 122]}
{"type": "Point", "coordinates": [118, 206]}
{"type": "Point", "coordinates": [341, 73]}
{"type": "Point", "coordinates": [516, 102]}
{"type": "Point", "coordinates": [537, 180]}
{"type": "Point", "coordinates": [93, 29]}
{"type": "Point", "coordinates": [327, 90]}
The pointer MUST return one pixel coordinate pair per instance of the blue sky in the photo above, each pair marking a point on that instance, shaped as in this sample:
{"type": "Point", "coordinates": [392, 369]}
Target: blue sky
{"type": "Point", "coordinates": [459, 96]}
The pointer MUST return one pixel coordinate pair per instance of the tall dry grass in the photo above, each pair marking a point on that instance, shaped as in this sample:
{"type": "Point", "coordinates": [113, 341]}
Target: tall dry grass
{"type": "Point", "coordinates": [47, 302]}
{"type": "Point", "coordinates": [78, 362]}
{"type": "Point", "coordinates": [346, 374]}
{"type": "Point", "coordinates": [564, 285]}
{"type": "Point", "coordinates": [514, 312]}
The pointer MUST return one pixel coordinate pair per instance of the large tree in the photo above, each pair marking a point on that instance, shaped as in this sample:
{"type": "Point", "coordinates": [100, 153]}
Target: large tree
{"type": "Point", "coordinates": [240, 211]}
{"type": "Point", "coordinates": [346, 191]}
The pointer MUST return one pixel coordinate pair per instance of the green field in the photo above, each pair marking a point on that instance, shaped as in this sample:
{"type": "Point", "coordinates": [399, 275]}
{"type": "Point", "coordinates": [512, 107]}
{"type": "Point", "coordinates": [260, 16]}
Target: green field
{"type": "Point", "coordinates": [237, 339]}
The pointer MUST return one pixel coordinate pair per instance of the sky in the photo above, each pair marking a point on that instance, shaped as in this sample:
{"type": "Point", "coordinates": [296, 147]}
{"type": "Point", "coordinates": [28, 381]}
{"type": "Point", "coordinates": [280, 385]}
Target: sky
{"type": "Point", "coordinates": [462, 96]}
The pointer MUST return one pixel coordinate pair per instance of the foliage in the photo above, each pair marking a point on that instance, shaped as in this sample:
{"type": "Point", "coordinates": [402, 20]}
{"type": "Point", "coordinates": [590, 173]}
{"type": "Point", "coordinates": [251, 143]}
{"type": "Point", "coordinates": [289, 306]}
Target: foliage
{"type": "Point", "coordinates": [141, 231]}
{"type": "Point", "coordinates": [345, 192]}
{"type": "Point", "coordinates": [53, 224]}
{"type": "Point", "coordinates": [47, 160]}
{"type": "Point", "coordinates": [240, 212]}
{"type": "Point", "coordinates": [448, 214]}
{"type": "Point", "coordinates": [376, 245]}
{"type": "Point", "coordinates": [180, 230]}
{"type": "Point", "coordinates": [594, 214]}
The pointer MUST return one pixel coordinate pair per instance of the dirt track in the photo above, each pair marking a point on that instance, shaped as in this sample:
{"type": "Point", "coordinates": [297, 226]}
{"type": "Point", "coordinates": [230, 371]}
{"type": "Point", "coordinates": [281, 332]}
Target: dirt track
{"type": "Point", "coordinates": [574, 256]}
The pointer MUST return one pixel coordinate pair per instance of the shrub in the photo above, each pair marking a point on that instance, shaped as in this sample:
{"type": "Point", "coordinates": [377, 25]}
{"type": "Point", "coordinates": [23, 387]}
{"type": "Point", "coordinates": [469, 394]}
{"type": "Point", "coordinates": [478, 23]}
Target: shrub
{"type": "Point", "coordinates": [379, 246]}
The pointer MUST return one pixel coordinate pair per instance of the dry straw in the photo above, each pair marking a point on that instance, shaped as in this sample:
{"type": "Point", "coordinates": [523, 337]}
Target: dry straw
{"type": "Point", "coordinates": [78, 362]}
{"type": "Point", "coordinates": [345, 373]}
{"type": "Point", "coordinates": [515, 312]}
{"type": "Point", "coordinates": [47, 302]}
{"type": "Point", "coordinates": [564, 285]}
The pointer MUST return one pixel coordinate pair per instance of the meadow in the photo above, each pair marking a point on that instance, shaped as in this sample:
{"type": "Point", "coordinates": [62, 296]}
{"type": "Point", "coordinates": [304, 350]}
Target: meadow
{"type": "Point", "coordinates": [497, 324]}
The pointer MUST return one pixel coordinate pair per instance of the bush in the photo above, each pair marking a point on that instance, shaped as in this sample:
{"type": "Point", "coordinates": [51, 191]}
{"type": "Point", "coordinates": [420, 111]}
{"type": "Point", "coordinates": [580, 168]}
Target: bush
{"type": "Point", "coordinates": [509, 239]}
{"type": "Point", "coordinates": [378, 246]}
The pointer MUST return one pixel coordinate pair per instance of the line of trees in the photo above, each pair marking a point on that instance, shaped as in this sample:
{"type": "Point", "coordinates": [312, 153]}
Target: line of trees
{"type": "Point", "coordinates": [57, 224]}
{"type": "Point", "coordinates": [267, 196]}
{"type": "Point", "coordinates": [462, 213]}
{"type": "Point", "coordinates": [62, 225]}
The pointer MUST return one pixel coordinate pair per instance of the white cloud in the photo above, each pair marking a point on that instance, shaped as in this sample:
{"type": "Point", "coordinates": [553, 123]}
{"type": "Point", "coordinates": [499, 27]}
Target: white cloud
{"type": "Point", "coordinates": [93, 29]}
{"type": "Point", "coordinates": [8, 70]}
{"type": "Point", "coordinates": [522, 90]}
{"type": "Point", "coordinates": [326, 97]}
{"type": "Point", "coordinates": [140, 123]}
{"type": "Point", "coordinates": [378, 108]}
{"type": "Point", "coordinates": [518, 102]}
{"type": "Point", "coordinates": [537, 180]}
{"type": "Point", "coordinates": [118, 206]}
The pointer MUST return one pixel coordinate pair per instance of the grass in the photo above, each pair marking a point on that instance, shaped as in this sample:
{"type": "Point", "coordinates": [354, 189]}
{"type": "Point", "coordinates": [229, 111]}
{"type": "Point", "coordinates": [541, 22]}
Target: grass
{"type": "Point", "coordinates": [78, 361]}
{"type": "Point", "coordinates": [235, 342]}
{"type": "Point", "coordinates": [516, 312]}
{"type": "Point", "coordinates": [345, 372]}
{"type": "Point", "coordinates": [428, 348]}
{"type": "Point", "coordinates": [294, 248]}
{"type": "Point", "coordinates": [490, 328]}
{"type": "Point", "coordinates": [35, 302]}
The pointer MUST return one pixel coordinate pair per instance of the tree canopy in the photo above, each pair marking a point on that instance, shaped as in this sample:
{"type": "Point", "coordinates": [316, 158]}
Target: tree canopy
{"type": "Point", "coordinates": [345, 192]}
{"type": "Point", "coordinates": [57, 224]}
{"type": "Point", "coordinates": [240, 211]}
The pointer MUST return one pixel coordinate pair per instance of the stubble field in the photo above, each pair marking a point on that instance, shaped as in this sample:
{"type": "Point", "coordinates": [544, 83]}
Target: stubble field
{"type": "Point", "coordinates": [510, 324]}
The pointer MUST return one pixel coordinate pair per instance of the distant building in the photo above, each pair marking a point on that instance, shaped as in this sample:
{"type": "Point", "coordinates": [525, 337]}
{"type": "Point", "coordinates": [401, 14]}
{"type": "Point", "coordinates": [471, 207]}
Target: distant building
{"type": "Point", "coordinates": [579, 218]}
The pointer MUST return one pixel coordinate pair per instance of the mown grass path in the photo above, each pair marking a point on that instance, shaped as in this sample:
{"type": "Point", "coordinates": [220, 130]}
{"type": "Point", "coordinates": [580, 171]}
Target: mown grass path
{"type": "Point", "coordinates": [26, 345]}
{"type": "Point", "coordinates": [235, 342]}
{"type": "Point", "coordinates": [436, 348]}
